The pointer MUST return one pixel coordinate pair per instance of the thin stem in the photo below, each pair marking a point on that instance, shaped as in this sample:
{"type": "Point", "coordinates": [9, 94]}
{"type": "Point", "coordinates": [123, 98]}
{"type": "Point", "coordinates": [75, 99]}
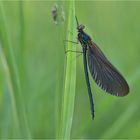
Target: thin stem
{"type": "Point", "coordinates": [70, 80]}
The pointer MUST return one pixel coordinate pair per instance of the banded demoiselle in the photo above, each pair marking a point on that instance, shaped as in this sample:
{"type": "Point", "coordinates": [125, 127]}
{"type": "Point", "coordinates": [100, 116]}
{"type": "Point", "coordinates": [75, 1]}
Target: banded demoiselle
{"type": "Point", "coordinates": [106, 76]}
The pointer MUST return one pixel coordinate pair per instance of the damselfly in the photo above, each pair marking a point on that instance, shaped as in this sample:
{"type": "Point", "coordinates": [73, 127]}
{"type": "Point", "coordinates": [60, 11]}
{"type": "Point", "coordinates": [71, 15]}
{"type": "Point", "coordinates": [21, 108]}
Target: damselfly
{"type": "Point", "coordinates": [106, 76]}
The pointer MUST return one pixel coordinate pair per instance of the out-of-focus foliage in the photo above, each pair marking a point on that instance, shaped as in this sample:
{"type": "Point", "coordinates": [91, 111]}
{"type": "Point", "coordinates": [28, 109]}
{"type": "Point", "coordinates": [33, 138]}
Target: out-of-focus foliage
{"type": "Point", "coordinates": [40, 58]}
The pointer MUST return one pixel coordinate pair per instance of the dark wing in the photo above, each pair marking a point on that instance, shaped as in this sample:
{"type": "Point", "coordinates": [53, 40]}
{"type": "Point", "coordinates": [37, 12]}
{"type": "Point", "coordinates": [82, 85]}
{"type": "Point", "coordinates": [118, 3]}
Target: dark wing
{"type": "Point", "coordinates": [104, 73]}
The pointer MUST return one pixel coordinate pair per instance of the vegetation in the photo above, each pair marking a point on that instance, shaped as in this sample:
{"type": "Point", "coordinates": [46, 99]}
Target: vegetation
{"type": "Point", "coordinates": [43, 92]}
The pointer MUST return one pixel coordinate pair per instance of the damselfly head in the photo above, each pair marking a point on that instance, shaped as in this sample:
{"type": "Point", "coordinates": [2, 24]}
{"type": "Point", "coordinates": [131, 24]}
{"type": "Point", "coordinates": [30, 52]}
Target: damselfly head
{"type": "Point", "coordinates": [80, 27]}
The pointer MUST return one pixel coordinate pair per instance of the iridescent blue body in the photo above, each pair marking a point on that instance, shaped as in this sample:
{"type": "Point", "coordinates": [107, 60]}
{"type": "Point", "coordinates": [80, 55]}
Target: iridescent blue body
{"type": "Point", "coordinates": [85, 40]}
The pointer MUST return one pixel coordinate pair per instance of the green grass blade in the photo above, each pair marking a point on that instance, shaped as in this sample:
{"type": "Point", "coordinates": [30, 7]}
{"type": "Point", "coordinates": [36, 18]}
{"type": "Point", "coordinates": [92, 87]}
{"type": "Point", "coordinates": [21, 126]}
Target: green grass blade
{"type": "Point", "coordinates": [20, 126]}
{"type": "Point", "coordinates": [21, 41]}
{"type": "Point", "coordinates": [70, 78]}
{"type": "Point", "coordinates": [59, 27]}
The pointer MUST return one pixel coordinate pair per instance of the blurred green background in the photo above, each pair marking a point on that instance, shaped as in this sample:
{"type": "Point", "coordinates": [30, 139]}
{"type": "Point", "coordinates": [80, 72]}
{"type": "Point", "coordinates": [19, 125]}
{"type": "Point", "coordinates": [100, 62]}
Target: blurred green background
{"type": "Point", "coordinates": [38, 48]}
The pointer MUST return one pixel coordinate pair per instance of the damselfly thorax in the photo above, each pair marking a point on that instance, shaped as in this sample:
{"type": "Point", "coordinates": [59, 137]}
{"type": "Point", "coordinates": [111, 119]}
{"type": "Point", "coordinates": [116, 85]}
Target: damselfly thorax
{"type": "Point", "coordinates": [84, 39]}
